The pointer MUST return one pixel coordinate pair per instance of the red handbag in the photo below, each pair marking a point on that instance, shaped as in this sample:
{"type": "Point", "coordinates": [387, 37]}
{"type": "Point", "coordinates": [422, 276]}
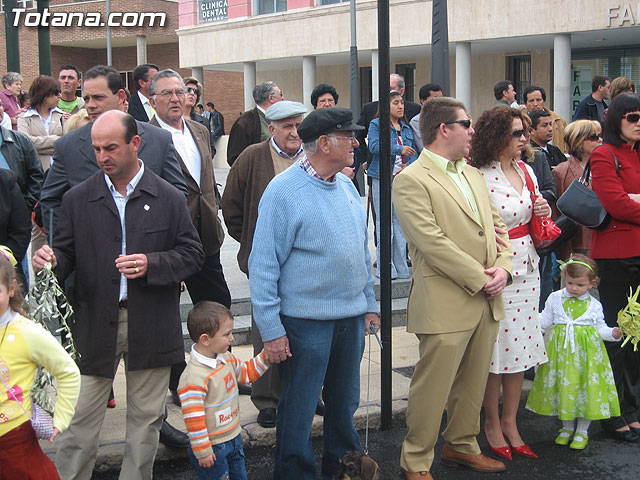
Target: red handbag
{"type": "Point", "coordinates": [543, 230]}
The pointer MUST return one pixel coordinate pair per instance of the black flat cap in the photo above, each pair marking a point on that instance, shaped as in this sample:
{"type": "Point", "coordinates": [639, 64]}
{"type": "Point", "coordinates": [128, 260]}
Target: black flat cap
{"type": "Point", "coordinates": [327, 120]}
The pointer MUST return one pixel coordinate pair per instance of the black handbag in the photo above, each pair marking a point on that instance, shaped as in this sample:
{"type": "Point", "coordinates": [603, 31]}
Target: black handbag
{"type": "Point", "coordinates": [581, 204]}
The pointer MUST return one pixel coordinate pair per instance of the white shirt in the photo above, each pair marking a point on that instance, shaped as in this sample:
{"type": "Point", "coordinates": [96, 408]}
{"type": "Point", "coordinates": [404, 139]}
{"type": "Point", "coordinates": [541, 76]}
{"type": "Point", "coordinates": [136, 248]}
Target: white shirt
{"type": "Point", "coordinates": [6, 121]}
{"type": "Point", "coordinates": [208, 361]}
{"type": "Point", "coordinates": [145, 103]}
{"type": "Point", "coordinates": [186, 148]}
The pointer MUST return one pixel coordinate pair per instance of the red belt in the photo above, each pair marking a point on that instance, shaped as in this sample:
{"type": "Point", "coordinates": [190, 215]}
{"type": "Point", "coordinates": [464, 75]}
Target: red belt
{"type": "Point", "coordinates": [518, 232]}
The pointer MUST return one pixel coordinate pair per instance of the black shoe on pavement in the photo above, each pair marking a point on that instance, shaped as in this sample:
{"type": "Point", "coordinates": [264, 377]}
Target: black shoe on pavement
{"type": "Point", "coordinates": [172, 437]}
{"type": "Point", "coordinates": [320, 408]}
{"type": "Point", "coordinates": [175, 397]}
{"type": "Point", "coordinates": [267, 418]}
{"type": "Point", "coordinates": [244, 389]}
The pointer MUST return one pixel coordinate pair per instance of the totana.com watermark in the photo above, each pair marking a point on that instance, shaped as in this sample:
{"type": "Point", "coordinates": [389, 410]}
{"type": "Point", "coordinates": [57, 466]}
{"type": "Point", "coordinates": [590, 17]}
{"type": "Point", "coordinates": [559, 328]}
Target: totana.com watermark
{"type": "Point", "coordinates": [88, 19]}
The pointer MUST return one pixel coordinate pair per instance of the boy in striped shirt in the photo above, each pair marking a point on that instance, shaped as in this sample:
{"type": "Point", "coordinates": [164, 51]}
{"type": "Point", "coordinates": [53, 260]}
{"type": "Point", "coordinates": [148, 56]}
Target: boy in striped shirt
{"type": "Point", "coordinates": [208, 392]}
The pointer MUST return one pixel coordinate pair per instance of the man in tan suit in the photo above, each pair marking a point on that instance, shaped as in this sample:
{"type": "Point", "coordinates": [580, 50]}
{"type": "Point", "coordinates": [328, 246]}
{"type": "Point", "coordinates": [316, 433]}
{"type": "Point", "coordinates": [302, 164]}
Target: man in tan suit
{"type": "Point", "coordinates": [191, 140]}
{"type": "Point", "coordinates": [455, 303]}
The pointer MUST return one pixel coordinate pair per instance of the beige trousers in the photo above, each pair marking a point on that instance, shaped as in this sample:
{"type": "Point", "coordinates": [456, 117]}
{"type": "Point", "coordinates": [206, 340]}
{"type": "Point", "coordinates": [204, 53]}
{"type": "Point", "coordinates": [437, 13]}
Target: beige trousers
{"type": "Point", "coordinates": [146, 393]}
{"type": "Point", "coordinates": [451, 373]}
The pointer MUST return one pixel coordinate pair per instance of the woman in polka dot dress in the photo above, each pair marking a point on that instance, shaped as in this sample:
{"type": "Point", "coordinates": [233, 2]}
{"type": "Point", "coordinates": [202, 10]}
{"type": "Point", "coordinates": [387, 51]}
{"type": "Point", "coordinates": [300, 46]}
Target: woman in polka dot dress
{"type": "Point", "coordinates": [495, 149]}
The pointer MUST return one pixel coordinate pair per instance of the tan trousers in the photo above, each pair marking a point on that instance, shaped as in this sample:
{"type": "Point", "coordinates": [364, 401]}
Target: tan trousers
{"type": "Point", "coordinates": [146, 393]}
{"type": "Point", "coordinates": [451, 373]}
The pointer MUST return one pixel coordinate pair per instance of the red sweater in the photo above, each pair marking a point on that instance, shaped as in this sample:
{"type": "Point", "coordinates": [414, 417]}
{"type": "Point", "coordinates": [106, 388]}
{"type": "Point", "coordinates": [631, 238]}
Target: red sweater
{"type": "Point", "coordinates": [622, 238]}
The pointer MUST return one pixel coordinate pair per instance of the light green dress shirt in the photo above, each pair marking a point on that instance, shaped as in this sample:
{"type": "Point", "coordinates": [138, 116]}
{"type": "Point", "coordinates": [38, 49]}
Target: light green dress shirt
{"type": "Point", "coordinates": [453, 170]}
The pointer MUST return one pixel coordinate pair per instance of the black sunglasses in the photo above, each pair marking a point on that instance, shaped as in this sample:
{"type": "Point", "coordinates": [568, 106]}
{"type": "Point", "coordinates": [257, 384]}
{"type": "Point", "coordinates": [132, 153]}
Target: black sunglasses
{"type": "Point", "coordinates": [192, 90]}
{"type": "Point", "coordinates": [517, 133]}
{"type": "Point", "coordinates": [632, 117]}
{"type": "Point", "coordinates": [594, 138]}
{"type": "Point", "coordinates": [465, 123]}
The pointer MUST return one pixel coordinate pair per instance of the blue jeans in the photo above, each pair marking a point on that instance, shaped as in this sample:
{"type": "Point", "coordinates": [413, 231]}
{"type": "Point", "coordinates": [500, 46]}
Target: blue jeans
{"type": "Point", "coordinates": [229, 463]}
{"type": "Point", "coordinates": [326, 351]}
{"type": "Point", "coordinates": [399, 267]}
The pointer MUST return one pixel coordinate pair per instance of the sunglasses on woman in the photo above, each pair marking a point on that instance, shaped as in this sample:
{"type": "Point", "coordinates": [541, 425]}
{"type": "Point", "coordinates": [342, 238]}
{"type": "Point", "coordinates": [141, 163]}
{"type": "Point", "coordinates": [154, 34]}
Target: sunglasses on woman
{"type": "Point", "coordinates": [594, 138]}
{"type": "Point", "coordinates": [632, 117]}
{"type": "Point", "coordinates": [517, 133]}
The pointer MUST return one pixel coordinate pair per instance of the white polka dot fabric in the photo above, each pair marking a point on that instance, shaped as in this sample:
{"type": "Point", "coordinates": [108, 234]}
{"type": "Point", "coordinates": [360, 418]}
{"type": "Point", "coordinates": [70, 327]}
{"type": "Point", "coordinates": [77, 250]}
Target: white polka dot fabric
{"type": "Point", "coordinates": [519, 345]}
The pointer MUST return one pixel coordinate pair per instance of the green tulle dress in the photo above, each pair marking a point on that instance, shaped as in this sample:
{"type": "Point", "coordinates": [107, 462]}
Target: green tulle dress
{"type": "Point", "coordinates": [577, 380]}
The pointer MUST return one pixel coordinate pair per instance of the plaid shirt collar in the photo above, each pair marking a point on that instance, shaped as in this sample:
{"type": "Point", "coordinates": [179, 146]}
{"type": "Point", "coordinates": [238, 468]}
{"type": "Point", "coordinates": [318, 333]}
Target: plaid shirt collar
{"type": "Point", "coordinates": [307, 167]}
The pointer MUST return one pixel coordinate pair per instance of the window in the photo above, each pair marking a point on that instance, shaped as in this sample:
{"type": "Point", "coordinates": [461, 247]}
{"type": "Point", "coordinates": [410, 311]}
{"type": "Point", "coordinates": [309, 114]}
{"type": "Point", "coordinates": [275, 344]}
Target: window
{"type": "Point", "coordinates": [20, 4]}
{"type": "Point", "coordinates": [519, 72]}
{"type": "Point", "coordinates": [330, 2]}
{"type": "Point", "coordinates": [271, 6]}
{"type": "Point", "coordinates": [127, 78]}
{"type": "Point", "coordinates": [408, 71]}
{"type": "Point", "coordinates": [612, 63]}
{"type": "Point", "coordinates": [365, 85]}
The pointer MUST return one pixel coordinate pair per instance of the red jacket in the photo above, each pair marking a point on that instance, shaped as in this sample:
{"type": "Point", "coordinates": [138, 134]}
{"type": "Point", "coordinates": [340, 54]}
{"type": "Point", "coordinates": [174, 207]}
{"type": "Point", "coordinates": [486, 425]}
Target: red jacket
{"type": "Point", "coordinates": [622, 238]}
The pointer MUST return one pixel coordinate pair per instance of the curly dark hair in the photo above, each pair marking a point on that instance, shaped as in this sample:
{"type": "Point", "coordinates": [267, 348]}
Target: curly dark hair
{"type": "Point", "coordinates": [493, 133]}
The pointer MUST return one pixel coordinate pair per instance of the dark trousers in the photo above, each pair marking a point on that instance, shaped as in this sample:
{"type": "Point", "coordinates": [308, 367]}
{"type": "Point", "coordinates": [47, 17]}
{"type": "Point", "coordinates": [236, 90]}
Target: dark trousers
{"type": "Point", "coordinates": [546, 279]}
{"type": "Point", "coordinates": [616, 277]}
{"type": "Point", "coordinates": [207, 284]}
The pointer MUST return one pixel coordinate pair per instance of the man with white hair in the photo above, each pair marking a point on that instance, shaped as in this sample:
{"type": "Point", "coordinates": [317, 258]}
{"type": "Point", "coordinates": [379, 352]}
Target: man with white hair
{"type": "Point", "coordinates": [252, 126]}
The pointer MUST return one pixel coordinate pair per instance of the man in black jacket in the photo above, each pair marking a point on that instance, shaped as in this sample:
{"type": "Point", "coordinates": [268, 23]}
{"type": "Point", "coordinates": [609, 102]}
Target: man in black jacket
{"type": "Point", "coordinates": [541, 135]}
{"type": "Point", "coordinates": [139, 106]}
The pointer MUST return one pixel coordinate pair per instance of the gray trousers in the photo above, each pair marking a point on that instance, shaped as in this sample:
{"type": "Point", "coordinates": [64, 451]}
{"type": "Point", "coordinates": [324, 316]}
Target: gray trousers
{"type": "Point", "coordinates": [146, 393]}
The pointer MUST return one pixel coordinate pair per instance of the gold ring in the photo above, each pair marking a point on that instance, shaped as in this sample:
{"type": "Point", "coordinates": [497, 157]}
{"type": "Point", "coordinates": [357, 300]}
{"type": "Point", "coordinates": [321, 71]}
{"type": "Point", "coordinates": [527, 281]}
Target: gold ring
{"type": "Point", "coordinates": [137, 270]}
{"type": "Point", "coordinates": [135, 264]}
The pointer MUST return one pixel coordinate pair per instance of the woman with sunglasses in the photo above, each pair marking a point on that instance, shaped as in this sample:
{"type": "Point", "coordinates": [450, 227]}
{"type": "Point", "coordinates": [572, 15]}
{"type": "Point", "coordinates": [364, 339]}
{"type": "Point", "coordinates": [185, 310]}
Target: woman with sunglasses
{"type": "Point", "coordinates": [495, 150]}
{"type": "Point", "coordinates": [403, 153]}
{"type": "Point", "coordinates": [43, 121]}
{"type": "Point", "coordinates": [581, 138]}
{"type": "Point", "coordinates": [617, 249]}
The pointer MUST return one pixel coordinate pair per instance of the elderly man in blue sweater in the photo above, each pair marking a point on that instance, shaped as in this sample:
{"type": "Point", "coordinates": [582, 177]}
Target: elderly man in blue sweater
{"type": "Point", "coordinates": [312, 293]}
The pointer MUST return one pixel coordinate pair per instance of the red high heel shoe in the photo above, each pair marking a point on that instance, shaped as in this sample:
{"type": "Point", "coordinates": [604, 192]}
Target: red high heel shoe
{"type": "Point", "coordinates": [504, 452]}
{"type": "Point", "coordinates": [525, 451]}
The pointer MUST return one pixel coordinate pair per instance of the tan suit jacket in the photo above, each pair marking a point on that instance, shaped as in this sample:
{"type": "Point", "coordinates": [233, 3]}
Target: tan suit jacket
{"type": "Point", "coordinates": [201, 200]}
{"type": "Point", "coordinates": [449, 248]}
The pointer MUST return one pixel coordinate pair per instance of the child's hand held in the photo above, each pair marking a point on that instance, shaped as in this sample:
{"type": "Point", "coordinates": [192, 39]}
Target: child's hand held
{"type": "Point", "coordinates": [616, 333]}
{"type": "Point", "coordinates": [207, 462]}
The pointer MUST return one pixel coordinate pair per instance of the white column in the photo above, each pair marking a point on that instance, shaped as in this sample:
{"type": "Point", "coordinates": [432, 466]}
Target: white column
{"type": "Point", "coordinates": [562, 75]}
{"type": "Point", "coordinates": [374, 75]}
{"type": "Point", "coordinates": [463, 73]}
{"type": "Point", "coordinates": [308, 80]}
{"type": "Point", "coordinates": [249, 84]}
{"type": "Point", "coordinates": [141, 49]}
{"type": "Point", "coordinates": [197, 73]}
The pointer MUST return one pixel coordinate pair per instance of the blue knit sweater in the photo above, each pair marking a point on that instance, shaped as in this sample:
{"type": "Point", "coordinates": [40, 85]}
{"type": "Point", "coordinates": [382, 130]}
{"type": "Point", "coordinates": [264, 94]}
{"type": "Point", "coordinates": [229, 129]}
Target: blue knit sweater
{"type": "Point", "coordinates": [310, 254]}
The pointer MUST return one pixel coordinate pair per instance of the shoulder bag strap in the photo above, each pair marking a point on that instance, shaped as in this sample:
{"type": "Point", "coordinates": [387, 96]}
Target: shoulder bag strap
{"type": "Point", "coordinates": [530, 186]}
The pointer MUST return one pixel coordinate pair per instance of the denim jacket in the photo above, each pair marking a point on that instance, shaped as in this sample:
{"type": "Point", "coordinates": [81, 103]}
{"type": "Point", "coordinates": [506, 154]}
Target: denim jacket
{"type": "Point", "coordinates": [374, 146]}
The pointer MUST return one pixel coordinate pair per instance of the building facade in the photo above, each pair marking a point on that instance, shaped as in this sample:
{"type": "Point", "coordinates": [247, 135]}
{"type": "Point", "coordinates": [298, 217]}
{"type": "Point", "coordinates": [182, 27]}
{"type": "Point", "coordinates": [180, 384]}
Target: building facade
{"type": "Point", "coordinates": [557, 44]}
{"type": "Point", "coordinates": [85, 46]}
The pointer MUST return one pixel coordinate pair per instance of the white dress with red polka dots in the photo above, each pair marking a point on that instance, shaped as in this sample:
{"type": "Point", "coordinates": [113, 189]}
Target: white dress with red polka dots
{"type": "Point", "coordinates": [519, 345]}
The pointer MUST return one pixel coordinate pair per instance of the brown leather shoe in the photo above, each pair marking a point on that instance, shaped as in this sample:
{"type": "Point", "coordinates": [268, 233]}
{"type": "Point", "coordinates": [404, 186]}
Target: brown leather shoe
{"type": "Point", "coordinates": [478, 462]}
{"type": "Point", "coordinates": [417, 475]}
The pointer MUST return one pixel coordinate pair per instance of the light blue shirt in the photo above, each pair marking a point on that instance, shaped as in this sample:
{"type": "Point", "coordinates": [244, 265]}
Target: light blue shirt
{"type": "Point", "coordinates": [121, 204]}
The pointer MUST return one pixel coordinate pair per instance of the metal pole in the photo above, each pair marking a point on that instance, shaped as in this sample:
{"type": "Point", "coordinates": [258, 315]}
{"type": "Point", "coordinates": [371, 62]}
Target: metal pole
{"type": "Point", "coordinates": [109, 56]}
{"type": "Point", "coordinates": [11, 37]}
{"type": "Point", "coordinates": [440, 46]}
{"type": "Point", "coordinates": [44, 42]}
{"type": "Point", "coordinates": [355, 84]}
{"type": "Point", "coordinates": [385, 212]}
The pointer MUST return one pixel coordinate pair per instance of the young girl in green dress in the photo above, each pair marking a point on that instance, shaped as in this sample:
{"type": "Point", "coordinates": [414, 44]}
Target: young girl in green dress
{"type": "Point", "coordinates": [576, 383]}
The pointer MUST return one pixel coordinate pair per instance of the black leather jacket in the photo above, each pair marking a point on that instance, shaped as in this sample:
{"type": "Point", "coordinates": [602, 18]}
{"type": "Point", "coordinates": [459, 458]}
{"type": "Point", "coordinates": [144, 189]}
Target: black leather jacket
{"type": "Point", "coordinates": [22, 157]}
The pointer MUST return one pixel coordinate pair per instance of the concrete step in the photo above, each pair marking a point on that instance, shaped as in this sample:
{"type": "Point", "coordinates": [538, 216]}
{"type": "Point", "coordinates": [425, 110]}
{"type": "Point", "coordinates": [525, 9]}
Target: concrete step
{"type": "Point", "coordinates": [241, 309]}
